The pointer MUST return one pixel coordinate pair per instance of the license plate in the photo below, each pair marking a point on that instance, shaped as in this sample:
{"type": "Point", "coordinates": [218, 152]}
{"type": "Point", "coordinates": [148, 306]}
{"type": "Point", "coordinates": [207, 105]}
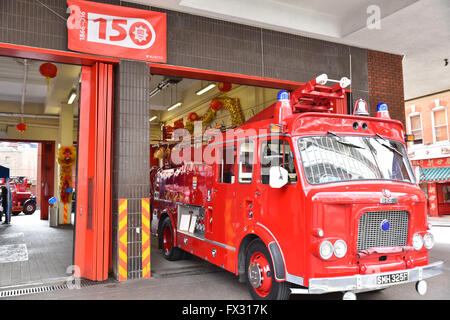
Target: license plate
{"type": "Point", "coordinates": [392, 278]}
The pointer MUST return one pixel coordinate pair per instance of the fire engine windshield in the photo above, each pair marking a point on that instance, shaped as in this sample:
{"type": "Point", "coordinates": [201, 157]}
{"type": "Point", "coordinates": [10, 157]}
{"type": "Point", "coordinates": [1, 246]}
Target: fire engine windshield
{"type": "Point", "coordinates": [333, 158]}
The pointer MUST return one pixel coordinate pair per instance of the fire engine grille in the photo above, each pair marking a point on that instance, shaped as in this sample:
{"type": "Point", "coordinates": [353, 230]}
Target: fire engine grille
{"type": "Point", "coordinates": [371, 233]}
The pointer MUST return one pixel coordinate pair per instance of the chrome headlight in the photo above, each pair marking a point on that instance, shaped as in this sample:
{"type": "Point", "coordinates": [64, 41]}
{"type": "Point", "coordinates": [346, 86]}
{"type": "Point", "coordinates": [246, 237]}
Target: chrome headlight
{"type": "Point", "coordinates": [428, 241]}
{"type": "Point", "coordinates": [340, 248]}
{"type": "Point", "coordinates": [326, 250]}
{"type": "Point", "coordinates": [417, 241]}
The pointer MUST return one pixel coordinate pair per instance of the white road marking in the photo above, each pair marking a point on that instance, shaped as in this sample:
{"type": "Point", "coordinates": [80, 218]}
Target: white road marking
{"type": "Point", "coordinates": [13, 253]}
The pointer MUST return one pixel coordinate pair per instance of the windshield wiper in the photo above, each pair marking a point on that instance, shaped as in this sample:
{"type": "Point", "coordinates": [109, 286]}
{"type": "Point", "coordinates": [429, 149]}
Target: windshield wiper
{"type": "Point", "coordinates": [346, 143]}
{"type": "Point", "coordinates": [387, 146]}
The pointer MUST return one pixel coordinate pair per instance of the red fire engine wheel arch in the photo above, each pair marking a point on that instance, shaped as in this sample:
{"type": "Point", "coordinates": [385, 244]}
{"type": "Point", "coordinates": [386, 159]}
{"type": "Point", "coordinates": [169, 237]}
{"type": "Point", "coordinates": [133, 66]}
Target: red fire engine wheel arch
{"type": "Point", "coordinates": [92, 246]}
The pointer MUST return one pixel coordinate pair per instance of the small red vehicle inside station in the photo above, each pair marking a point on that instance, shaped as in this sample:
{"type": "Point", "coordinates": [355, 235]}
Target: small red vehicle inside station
{"type": "Point", "coordinates": [22, 198]}
{"type": "Point", "coordinates": [298, 199]}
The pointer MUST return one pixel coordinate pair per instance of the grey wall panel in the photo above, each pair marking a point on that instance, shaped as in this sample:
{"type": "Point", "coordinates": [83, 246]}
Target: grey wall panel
{"type": "Point", "coordinates": [132, 152]}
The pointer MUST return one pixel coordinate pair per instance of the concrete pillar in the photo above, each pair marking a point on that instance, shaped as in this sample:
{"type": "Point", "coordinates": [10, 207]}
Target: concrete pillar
{"type": "Point", "coordinates": [131, 167]}
{"type": "Point", "coordinates": [65, 138]}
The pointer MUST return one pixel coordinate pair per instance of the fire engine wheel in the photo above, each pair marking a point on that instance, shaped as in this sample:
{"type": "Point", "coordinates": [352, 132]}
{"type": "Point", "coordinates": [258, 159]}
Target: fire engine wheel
{"type": "Point", "coordinates": [260, 274]}
{"type": "Point", "coordinates": [29, 208]}
{"type": "Point", "coordinates": [15, 213]}
{"type": "Point", "coordinates": [166, 242]}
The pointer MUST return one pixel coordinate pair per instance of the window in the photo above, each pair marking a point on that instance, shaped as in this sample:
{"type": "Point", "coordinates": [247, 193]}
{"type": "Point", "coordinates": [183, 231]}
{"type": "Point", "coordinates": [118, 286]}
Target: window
{"type": "Point", "coordinates": [246, 162]}
{"type": "Point", "coordinates": [446, 193]}
{"type": "Point", "coordinates": [416, 127]}
{"type": "Point", "coordinates": [277, 153]}
{"type": "Point", "coordinates": [226, 165]}
{"type": "Point", "coordinates": [440, 124]}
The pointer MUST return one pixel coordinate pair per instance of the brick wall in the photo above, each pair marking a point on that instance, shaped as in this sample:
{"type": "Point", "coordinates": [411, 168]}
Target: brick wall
{"type": "Point", "coordinates": [385, 74]}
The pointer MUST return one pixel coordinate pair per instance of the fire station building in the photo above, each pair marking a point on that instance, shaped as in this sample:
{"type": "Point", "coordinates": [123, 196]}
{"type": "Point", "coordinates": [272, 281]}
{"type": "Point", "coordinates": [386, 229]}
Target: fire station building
{"type": "Point", "coordinates": [108, 107]}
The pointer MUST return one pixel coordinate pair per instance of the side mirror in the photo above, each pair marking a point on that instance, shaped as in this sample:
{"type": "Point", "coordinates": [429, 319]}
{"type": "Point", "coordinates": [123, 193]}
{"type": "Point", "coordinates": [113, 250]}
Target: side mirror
{"type": "Point", "coordinates": [278, 177]}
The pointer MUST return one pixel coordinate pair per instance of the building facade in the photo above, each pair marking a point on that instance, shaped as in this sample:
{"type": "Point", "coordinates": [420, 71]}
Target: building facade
{"type": "Point", "coordinates": [427, 120]}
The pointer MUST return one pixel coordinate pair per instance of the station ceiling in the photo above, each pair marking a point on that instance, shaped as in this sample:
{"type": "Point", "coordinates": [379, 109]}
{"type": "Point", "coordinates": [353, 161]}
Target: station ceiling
{"type": "Point", "coordinates": [417, 29]}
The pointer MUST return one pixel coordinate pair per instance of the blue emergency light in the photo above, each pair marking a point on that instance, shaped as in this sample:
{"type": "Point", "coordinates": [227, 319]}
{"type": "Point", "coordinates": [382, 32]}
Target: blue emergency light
{"type": "Point", "coordinates": [382, 111]}
{"type": "Point", "coordinates": [283, 95]}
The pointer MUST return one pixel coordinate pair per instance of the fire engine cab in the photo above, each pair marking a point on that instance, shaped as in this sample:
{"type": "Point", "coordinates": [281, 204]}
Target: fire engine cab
{"type": "Point", "coordinates": [299, 199]}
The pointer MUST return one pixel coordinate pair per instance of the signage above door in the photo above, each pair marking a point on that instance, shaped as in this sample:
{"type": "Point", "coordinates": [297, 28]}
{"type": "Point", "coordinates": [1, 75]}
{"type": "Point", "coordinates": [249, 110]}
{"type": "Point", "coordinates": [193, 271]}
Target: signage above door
{"type": "Point", "coordinates": [117, 31]}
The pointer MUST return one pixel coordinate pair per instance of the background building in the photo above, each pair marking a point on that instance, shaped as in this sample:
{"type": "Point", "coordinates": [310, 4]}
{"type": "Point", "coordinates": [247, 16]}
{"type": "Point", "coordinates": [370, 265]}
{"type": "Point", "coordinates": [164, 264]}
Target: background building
{"type": "Point", "coordinates": [427, 120]}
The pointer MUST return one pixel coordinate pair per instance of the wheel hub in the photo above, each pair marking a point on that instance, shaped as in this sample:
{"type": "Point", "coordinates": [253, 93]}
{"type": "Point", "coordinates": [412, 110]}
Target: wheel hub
{"type": "Point", "coordinates": [254, 275]}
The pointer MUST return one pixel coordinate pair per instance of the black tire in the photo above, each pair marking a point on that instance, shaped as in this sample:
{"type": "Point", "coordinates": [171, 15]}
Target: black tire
{"type": "Point", "coordinates": [29, 207]}
{"type": "Point", "coordinates": [169, 252]}
{"type": "Point", "coordinates": [15, 213]}
{"type": "Point", "coordinates": [278, 290]}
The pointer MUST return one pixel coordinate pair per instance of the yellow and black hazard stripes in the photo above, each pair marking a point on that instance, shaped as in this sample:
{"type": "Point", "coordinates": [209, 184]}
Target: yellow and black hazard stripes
{"type": "Point", "coordinates": [145, 238]}
{"type": "Point", "coordinates": [123, 240]}
{"type": "Point", "coordinates": [129, 243]}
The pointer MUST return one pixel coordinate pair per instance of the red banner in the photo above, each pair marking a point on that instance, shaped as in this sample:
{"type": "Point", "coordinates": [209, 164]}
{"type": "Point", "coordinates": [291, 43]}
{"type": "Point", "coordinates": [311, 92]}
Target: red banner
{"type": "Point", "coordinates": [117, 31]}
{"type": "Point", "coordinates": [432, 163]}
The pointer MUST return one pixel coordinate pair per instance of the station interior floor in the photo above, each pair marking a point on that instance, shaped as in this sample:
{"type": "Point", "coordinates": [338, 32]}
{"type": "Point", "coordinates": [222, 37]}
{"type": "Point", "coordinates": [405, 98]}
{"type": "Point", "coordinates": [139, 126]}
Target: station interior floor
{"type": "Point", "coordinates": [33, 252]}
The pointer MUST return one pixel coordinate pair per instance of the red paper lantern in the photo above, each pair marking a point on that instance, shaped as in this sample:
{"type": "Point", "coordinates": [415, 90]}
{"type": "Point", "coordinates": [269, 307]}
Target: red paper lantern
{"type": "Point", "coordinates": [48, 70]}
{"type": "Point", "coordinates": [21, 127]}
{"type": "Point", "coordinates": [215, 105]}
{"type": "Point", "coordinates": [224, 86]}
{"type": "Point", "coordinates": [193, 116]}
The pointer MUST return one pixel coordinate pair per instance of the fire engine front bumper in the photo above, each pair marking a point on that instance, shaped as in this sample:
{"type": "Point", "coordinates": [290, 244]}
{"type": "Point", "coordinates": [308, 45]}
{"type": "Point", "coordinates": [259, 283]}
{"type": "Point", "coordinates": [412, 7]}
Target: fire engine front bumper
{"type": "Point", "coordinates": [370, 282]}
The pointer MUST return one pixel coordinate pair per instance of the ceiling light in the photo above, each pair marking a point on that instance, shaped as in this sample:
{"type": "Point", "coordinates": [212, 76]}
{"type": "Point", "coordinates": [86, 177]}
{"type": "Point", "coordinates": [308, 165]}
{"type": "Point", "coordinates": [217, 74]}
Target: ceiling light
{"type": "Point", "coordinates": [176, 105]}
{"type": "Point", "coordinates": [205, 89]}
{"type": "Point", "coordinates": [72, 96]}
{"type": "Point", "coordinates": [153, 118]}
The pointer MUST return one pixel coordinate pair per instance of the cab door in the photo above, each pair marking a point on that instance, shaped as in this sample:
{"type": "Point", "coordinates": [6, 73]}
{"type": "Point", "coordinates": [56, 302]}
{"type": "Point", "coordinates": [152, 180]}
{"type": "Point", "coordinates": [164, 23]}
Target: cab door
{"type": "Point", "coordinates": [246, 184]}
{"type": "Point", "coordinates": [272, 204]}
{"type": "Point", "coordinates": [221, 207]}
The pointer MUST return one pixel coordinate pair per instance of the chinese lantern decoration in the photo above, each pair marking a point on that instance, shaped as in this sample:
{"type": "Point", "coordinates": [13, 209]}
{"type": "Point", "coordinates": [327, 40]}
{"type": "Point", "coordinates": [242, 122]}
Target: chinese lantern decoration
{"type": "Point", "coordinates": [224, 86]}
{"type": "Point", "coordinates": [21, 127]}
{"type": "Point", "coordinates": [178, 124]}
{"type": "Point", "coordinates": [49, 71]}
{"type": "Point", "coordinates": [193, 117]}
{"type": "Point", "coordinates": [67, 157]}
{"type": "Point", "coordinates": [167, 132]}
{"type": "Point", "coordinates": [215, 105]}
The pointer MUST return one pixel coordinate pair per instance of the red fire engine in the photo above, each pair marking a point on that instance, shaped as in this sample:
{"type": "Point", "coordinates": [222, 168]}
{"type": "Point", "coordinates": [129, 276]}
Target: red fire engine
{"type": "Point", "coordinates": [300, 199]}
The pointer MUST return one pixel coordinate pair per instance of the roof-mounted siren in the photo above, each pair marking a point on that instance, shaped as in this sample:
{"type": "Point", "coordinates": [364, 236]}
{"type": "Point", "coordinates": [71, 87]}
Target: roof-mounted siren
{"type": "Point", "coordinates": [322, 79]}
{"type": "Point", "coordinates": [283, 107]}
{"type": "Point", "coordinates": [344, 82]}
{"type": "Point", "coordinates": [361, 108]}
{"type": "Point", "coordinates": [382, 111]}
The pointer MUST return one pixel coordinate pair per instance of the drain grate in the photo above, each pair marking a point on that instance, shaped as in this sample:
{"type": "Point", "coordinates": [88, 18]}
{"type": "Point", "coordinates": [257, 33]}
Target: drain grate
{"type": "Point", "coordinates": [14, 292]}
{"type": "Point", "coordinates": [31, 290]}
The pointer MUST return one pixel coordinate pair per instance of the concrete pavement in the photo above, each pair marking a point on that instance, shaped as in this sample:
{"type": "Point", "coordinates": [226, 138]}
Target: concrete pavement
{"type": "Point", "coordinates": [195, 279]}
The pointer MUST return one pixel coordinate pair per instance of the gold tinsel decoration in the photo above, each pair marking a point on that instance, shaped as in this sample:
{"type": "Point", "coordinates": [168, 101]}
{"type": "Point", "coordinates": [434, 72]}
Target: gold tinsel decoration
{"type": "Point", "coordinates": [233, 106]}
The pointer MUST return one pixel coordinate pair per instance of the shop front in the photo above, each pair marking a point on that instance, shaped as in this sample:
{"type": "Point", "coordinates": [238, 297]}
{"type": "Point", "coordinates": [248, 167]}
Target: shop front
{"type": "Point", "coordinates": [435, 182]}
